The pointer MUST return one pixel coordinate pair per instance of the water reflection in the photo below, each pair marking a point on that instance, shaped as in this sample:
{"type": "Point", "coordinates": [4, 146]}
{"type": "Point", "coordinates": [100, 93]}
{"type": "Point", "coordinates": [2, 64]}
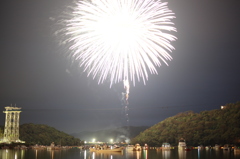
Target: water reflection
{"type": "Point", "coordinates": [166, 154]}
{"type": "Point", "coordinates": [217, 153]}
{"type": "Point", "coordinates": [36, 153]}
{"type": "Point", "coordinates": [135, 154]}
{"type": "Point", "coordinates": [103, 155]}
{"type": "Point", "coordinates": [129, 153]}
{"type": "Point", "coordinates": [85, 154]}
{"type": "Point", "coordinates": [237, 153]}
{"type": "Point", "coordinates": [199, 153]}
{"type": "Point", "coordinates": [138, 154]}
{"type": "Point", "coordinates": [226, 153]}
{"type": "Point", "coordinates": [144, 154]}
{"type": "Point", "coordinates": [12, 154]}
{"type": "Point", "coordinates": [52, 154]}
{"type": "Point", "coordinates": [181, 154]}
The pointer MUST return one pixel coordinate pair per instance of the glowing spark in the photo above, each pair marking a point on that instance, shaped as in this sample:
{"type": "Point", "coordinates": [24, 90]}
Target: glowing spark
{"type": "Point", "coordinates": [119, 39]}
{"type": "Point", "coordinates": [126, 87]}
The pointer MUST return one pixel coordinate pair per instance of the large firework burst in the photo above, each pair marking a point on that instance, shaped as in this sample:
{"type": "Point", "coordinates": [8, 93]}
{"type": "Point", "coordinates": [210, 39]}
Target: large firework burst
{"type": "Point", "coordinates": [119, 39]}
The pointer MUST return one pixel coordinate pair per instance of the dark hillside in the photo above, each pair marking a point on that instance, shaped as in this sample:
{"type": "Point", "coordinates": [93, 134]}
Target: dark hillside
{"type": "Point", "coordinates": [221, 126]}
{"type": "Point", "coordinates": [45, 135]}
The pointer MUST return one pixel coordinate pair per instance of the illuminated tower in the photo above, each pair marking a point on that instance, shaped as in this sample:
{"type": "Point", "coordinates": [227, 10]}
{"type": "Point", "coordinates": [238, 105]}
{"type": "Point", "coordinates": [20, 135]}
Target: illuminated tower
{"type": "Point", "coordinates": [11, 129]}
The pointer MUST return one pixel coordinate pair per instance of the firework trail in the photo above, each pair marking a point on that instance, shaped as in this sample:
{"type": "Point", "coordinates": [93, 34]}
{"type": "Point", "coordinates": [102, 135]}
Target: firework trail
{"type": "Point", "coordinates": [125, 96]}
{"type": "Point", "coordinates": [125, 103]}
{"type": "Point", "coordinates": [119, 40]}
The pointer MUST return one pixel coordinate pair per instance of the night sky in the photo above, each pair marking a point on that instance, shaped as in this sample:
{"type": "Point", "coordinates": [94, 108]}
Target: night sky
{"type": "Point", "coordinates": [36, 76]}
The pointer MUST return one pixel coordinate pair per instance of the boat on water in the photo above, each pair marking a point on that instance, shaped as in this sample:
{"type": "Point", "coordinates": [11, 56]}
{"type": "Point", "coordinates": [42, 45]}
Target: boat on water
{"type": "Point", "coordinates": [217, 147]}
{"type": "Point", "coordinates": [22, 147]}
{"type": "Point", "coordinates": [182, 144]}
{"type": "Point", "coordinates": [188, 148]}
{"type": "Point", "coordinates": [208, 147]}
{"type": "Point", "coordinates": [166, 146]}
{"type": "Point", "coordinates": [145, 147]}
{"type": "Point", "coordinates": [129, 147]}
{"type": "Point", "coordinates": [201, 147]}
{"type": "Point", "coordinates": [38, 147]}
{"type": "Point", "coordinates": [227, 147]}
{"type": "Point", "coordinates": [53, 147]}
{"type": "Point", "coordinates": [118, 149]}
{"type": "Point", "coordinates": [137, 147]}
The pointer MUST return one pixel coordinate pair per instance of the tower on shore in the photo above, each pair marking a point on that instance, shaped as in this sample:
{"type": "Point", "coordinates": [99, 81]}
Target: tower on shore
{"type": "Point", "coordinates": [11, 129]}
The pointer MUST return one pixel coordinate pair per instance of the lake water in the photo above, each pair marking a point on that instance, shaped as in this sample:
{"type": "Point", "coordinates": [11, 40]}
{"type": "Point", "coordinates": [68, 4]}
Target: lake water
{"type": "Point", "coordinates": [76, 153]}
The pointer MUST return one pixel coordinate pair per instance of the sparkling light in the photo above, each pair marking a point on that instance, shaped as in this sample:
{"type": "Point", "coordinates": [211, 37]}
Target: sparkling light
{"type": "Point", "coordinates": [119, 39]}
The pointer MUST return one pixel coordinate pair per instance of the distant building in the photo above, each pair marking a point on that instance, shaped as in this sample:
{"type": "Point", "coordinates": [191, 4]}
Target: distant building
{"type": "Point", "coordinates": [223, 107]}
{"type": "Point", "coordinates": [11, 128]}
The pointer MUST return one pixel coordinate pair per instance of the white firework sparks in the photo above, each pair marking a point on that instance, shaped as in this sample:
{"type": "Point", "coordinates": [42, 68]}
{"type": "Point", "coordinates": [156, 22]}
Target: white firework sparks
{"type": "Point", "coordinates": [120, 39]}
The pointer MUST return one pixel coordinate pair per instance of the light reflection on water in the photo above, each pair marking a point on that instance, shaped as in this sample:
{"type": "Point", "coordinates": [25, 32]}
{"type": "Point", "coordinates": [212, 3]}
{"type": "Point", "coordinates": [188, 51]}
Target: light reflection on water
{"type": "Point", "coordinates": [182, 154]}
{"type": "Point", "coordinates": [97, 155]}
{"type": "Point", "coordinates": [11, 154]}
{"type": "Point", "coordinates": [166, 153]}
{"type": "Point", "coordinates": [145, 154]}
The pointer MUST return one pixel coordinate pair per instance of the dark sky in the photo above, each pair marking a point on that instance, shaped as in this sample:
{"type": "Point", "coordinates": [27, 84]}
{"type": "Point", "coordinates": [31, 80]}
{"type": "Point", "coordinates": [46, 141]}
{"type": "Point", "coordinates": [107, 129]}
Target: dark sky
{"type": "Point", "coordinates": [203, 75]}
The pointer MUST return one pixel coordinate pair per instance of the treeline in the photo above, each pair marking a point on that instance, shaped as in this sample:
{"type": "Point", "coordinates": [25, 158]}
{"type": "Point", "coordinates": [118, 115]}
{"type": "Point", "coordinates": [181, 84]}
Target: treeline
{"type": "Point", "coordinates": [44, 135]}
{"type": "Point", "coordinates": [221, 126]}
